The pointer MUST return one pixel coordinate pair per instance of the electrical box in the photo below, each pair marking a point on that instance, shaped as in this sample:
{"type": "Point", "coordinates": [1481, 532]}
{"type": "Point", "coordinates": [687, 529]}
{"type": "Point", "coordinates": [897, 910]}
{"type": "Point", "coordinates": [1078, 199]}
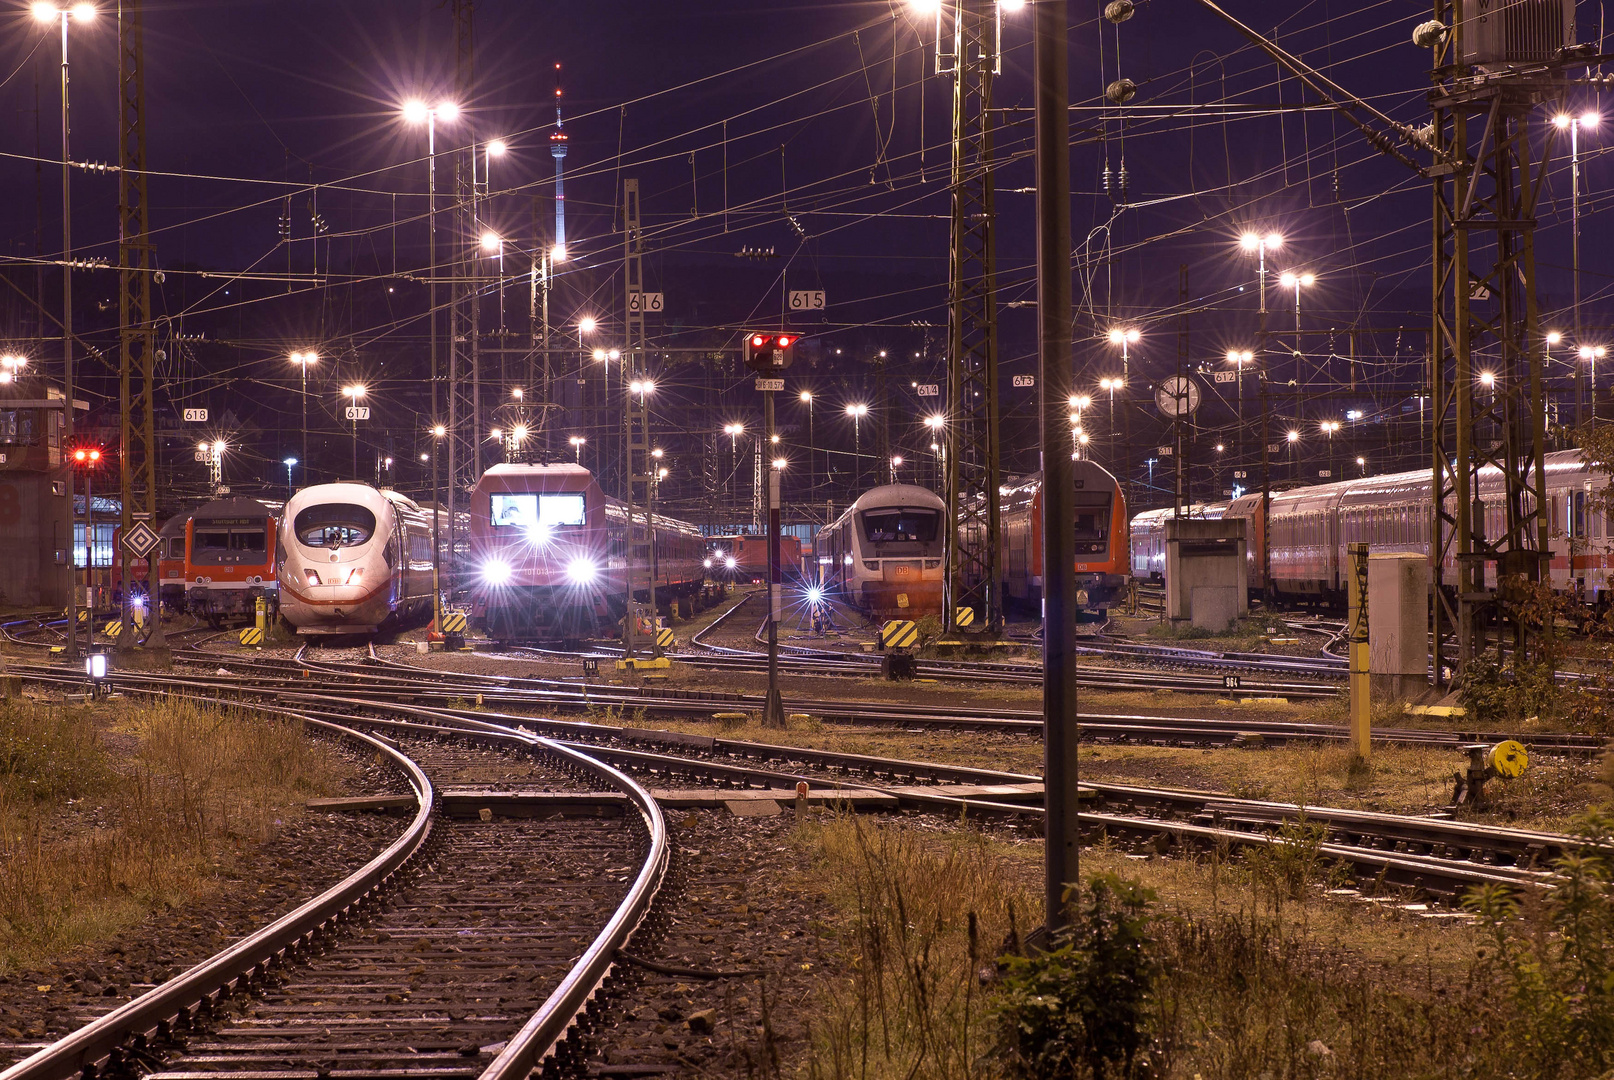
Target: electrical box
{"type": "Point", "coordinates": [1506, 33]}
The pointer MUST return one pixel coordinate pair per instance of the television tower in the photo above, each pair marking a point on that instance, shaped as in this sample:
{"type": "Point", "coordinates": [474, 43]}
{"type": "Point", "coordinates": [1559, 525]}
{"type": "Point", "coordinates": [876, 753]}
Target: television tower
{"type": "Point", "coordinates": [557, 150]}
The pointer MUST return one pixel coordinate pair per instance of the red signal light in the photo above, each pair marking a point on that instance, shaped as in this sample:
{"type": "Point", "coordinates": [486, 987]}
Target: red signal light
{"type": "Point", "coordinates": [758, 340]}
{"type": "Point", "coordinates": [86, 456]}
{"type": "Point", "coordinates": [81, 455]}
{"type": "Point", "coordinates": [785, 340]}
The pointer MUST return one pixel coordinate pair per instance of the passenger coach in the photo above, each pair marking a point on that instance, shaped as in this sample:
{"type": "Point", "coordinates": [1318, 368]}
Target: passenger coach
{"type": "Point", "coordinates": [1101, 557]}
{"type": "Point", "coordinates": [884, 554]}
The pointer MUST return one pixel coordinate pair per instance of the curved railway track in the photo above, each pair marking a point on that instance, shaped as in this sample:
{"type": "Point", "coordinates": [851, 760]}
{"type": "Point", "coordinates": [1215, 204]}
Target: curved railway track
{"type": "Point", "coordinates": [462, 950]}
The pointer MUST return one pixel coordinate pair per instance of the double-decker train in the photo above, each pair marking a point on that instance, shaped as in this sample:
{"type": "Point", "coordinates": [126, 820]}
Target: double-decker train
{"type": "Point", "coordinates": [230, 558]}
{"type": "Point", "coordinates": [1307, 529]}
{"type": "Point", "coordinates": [884, 554]}
{"type": "Point", "coordinates": [549, 555]}
{"type": "Point", "coordinates": [1101, 562]}
{"type": "Point", "coordinates": [356, 560]}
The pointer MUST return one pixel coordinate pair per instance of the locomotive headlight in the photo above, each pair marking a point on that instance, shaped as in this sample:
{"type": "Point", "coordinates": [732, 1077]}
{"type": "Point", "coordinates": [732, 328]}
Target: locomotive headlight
{"type": "Point", "coordinates": [312, 575]}
{"type": "Point", "coordinates": [729, 563]}
{"type": "Point", "coordinates": [707, 564]}
{"type": "Point", "coordinates": [847, 560]}
{"type": "Point", "coordinates": [496, 573]}
{"type": "Point", "coordinates": [814, 595]}
{"type": "Point", "coordinates": [582, 571]}
{"type": "Point", "coordinates": [539, 535]}
{"type": "Point", "coordinates": [355, 576]}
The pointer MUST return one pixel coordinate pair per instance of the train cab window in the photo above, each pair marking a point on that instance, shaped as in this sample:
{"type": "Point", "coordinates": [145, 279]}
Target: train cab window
{"type": "Point", "coordinates": [213, 538]}
{"type": "Point", "coordinates": [537, 510]}
{"type": "Point", "coordinates": [901, 525]}
{"type": "Point", "coordinates": [334, 525]}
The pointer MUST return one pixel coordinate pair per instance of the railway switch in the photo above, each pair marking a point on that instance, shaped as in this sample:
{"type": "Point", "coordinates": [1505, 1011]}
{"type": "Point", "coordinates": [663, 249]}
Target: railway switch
{"type": "Point", "coordinates": [1506, 759]}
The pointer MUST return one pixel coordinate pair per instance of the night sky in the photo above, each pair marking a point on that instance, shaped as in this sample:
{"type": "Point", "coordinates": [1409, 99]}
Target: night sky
{"type": "Point", "coordinates": [822, 132]}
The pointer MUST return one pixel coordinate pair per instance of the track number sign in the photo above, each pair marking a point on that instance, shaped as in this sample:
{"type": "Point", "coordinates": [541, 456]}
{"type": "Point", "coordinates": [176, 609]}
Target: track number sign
{"type": "Point", "coordinates": [647, 302]}
{"type": "Point", "coordinates": [358, 412]}
{"type": "Point", "coordinates": [929, 389]}
{"type": "Point", "coordinates": [1025, 380]}
{"type": "Point", "coordinates": [196, 416]}
{"type": "Point", "coordinates": [807, 300]}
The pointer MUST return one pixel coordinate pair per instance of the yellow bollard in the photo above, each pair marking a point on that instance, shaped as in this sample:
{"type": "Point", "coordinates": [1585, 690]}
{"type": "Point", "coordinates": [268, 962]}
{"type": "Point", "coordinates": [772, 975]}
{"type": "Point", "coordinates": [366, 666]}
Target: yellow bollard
{"type": "Point", "coordinates": [260, 608]}
{"type": "Point", "coordinates": [1360, 682]}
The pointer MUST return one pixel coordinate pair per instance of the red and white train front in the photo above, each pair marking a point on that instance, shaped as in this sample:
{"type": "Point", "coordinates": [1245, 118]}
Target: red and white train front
{"type": "Point", "coordinates": [541, 552]}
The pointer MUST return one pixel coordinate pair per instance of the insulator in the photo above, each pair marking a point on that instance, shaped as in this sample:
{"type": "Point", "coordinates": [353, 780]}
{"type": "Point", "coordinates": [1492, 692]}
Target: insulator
{"type": "Point", "coordinates": [1426, 35]}
{"type": "Point", "coordinates": [1119, 11]}
{"type": "Point", "coordinates": [1107, 177]}
{"type": "Point", "coordinates": [1124, 181]}
{"type": "Point", "coordinates": [1121, 91]}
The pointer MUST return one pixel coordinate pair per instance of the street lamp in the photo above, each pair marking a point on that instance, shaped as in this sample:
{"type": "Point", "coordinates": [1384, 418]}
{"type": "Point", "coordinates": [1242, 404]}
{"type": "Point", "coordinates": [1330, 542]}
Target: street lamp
{"type": "Point", "coordinates": [289, 462]}
{"type": "Point", "coordinates": [896, 463]}
{"type": "Point", "coordinates": [857, 413]}
{"type": "Point", "coordinates": [1586, 120]}
{"type": "Point", "coordinates": [416, 111]}
{"type": "Point", "coordinates": [577, 442]}
{"type": "Point", "coordinates": [1291, 280]}
{"type": "Point", "coordinates": [302, 360]}
{"type": "Point", "coordinates": [1591, 353]}
{"type": "Point", "coordinates": [354, 394]}
{"type": "Point", "coordinates": [48, 13]}
{"type": "Point", "coordinates": [807, 400]}
{"type": "Point", "coordinates": [1258, 244]}
{"type": "Point", "coordinates": [1125, 337]}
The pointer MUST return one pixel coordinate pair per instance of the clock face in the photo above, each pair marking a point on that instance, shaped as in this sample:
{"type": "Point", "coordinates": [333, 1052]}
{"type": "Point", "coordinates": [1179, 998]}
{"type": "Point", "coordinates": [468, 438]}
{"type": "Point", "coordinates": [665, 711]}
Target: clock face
{"type": "Point", "coordinates": [1177, 396]}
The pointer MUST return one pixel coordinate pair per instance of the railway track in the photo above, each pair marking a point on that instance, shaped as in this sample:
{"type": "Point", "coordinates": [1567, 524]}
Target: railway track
{"type": "Point", "coordinates": [466, 949]}
{"type": "Point", "coordinates": [800, 659]}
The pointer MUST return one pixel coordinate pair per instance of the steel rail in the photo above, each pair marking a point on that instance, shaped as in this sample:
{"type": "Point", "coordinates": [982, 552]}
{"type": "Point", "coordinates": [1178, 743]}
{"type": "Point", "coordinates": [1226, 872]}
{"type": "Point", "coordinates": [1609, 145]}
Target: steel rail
{"type": "Point", "coordinates": [207, 983]}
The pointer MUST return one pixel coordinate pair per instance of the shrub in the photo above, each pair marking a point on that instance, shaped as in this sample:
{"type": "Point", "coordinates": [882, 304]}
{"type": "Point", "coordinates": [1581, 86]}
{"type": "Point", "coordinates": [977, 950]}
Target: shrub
{"type": "Point", "coordinates": [1084, 1007]}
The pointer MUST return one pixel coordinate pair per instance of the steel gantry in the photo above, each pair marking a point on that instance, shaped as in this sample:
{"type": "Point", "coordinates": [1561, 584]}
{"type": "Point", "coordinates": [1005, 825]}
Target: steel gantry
{"type": "Point", "coordinates": [1488, 516]}
{"type": "Point", "coordinates": [973, 473]}
{"type": "Point", "coordinates": [137, 458]}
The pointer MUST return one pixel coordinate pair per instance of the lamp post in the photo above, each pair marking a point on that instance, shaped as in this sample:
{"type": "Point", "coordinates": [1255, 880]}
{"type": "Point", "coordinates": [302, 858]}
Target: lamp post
{"type": "Point", "coordinates": [938, 445]}
{"type": "Point", "coordinates": [1258, 244]}
{"type": "Point", "coordinates": [857, 413]}
{"type": "Point", "coordinates": [1297, 281]}
{"type": "Point", "coordinates": [1125, 337]}
{"type": "Point", "coordinates": [1079, 403]}
{"type": "Point", "coordinates": [1592, 354]}
{"type": "Point", "coordinates": [1293, 438]}
{"type": "Point", "coordinates": [1552, 338]}
{"type": "Point", "coordinates": [1574, 124]}
{"type": "Point", "coordinates": [46, 13]}
{"type": "Point", "coordinates": [302, 360]}
{"type": "Point", "coordinates": [417, 112]}
{"type": "Point", "coordinates": [289, 462]}
{"type": "Point", "coordinates": [896, 463]}
{"type": "Point", "coordinates": [354, 394]}
{"type": "Point", "coordinates": [577, 442]}
{"type": "Point", "coordinates": [1238, 358]}
{"type": "Point", "coordinates": [807, 400]}
{"type": "Point", "coordinates": [1328, 428]}
{"type": "Point", "coordinates": [733, 431]}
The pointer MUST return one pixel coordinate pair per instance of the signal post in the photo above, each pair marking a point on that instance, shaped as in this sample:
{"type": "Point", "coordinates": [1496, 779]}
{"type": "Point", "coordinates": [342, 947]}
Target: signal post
{"type": "Point", "coordinates": [768, 354]}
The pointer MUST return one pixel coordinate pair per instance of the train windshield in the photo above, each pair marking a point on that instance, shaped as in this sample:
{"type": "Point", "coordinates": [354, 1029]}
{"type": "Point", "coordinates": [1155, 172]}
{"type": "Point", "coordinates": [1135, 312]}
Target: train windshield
{"type": "Point", "coordinates": [216, 537]}
{"type": "Point", "coordinates": [531, 510]}
{"type": "Point", "coordinates": [1092, 515]}
{"type": "Point", "coordinates": [901, 525]}
{"type": "Point", "coordinates": [334, 525]}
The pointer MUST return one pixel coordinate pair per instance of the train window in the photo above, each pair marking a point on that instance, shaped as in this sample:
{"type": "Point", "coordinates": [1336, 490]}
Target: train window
{"type": "Point", "coordinates": [534, 510]}
{"type": "Point", "coordinates": [1578, 518]}
{"type": "Point", "coordinates": [213, 538]}
{"type": "Point", "coordinates": [334, 525]}
{"type": "Point", "coordinates": [900, 525]}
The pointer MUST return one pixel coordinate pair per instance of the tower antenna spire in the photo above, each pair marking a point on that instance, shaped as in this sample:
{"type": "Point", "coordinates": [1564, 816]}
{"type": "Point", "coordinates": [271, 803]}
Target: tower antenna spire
{"type": "Point", "coordinates": [557, 150]}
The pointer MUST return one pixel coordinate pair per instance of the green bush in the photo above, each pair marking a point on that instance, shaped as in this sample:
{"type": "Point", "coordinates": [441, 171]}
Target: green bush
{"type": "Point", "coordinates": [1084, 1008]}
{"type": "Point", "coordinates": [1553, 951]}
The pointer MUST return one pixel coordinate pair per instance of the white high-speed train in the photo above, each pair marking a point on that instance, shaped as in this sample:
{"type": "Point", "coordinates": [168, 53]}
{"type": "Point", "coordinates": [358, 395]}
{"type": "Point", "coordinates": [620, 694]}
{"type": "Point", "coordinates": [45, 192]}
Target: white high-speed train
{"type": "Point", "coordinates": [884, 553]}
{"type": "Point", "coordinates": [355, 560]}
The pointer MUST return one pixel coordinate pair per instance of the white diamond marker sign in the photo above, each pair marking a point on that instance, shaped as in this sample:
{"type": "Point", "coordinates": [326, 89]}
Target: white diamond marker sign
{"type": "Point", "coordinates": [140, 539]}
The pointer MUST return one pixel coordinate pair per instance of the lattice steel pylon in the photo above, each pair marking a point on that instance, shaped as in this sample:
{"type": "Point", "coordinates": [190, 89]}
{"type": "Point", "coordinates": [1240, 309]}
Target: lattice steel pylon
{"type": "Point", "coordinates": [637, 464]}
{"type": "Point", "coordinates": [1485, 196]}
{"type": "Point", "coordinates": [973, 541]}
{"type": "Point", "coordinates": [137, 456]}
